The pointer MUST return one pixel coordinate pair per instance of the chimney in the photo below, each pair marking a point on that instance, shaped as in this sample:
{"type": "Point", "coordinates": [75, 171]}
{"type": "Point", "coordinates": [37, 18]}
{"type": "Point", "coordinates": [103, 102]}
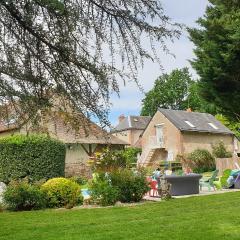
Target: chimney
{"type": "Point", "coordinates": [189, 110]}
{"type": "Point", "coordinates": [121, 118]}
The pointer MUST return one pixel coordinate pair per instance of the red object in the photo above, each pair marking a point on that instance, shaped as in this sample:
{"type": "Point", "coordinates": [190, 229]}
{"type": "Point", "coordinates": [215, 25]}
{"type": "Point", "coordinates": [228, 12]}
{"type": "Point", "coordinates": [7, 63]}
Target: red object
{"type": "Point", "coordinates": [154, 189]}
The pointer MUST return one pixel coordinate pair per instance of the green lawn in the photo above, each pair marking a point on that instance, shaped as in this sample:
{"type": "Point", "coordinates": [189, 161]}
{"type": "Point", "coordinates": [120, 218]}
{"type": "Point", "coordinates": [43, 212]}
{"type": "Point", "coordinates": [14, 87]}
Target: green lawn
{"type": "Point", "coordinates": [208, 217]}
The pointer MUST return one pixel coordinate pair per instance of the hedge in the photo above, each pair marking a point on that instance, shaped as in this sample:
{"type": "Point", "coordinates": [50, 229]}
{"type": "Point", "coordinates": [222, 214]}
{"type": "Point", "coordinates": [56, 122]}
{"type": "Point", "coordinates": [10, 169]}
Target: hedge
{"type": "Point", "coordinates": [34, 156]}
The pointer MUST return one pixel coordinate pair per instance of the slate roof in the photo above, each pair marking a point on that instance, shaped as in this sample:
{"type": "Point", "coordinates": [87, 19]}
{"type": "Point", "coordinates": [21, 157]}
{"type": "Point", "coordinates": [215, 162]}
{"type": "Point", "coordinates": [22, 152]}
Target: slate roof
{"type": "Point", "coordinates": [200, 121]}
{"type": "Point", "coordinates": [132, 122]}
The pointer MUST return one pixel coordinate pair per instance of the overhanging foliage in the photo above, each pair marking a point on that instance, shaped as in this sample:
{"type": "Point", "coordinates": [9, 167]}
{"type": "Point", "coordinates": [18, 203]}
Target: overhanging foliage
{"type": "Point", "coordinates": [76, 49]}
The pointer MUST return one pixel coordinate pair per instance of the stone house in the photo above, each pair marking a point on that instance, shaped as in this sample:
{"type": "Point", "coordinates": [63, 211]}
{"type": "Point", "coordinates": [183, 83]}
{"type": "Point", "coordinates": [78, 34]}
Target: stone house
{"type": "Point", "coordinates": [130, 128]}
{"type": "Point", "coordinates": [174, 132]}
{"type": "Point", "coordinates": [81, 141]}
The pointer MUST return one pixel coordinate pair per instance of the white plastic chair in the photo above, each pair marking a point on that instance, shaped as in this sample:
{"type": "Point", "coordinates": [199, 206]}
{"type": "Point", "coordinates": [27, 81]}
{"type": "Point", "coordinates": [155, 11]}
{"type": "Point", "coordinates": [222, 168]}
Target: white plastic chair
{"type": "Point", "coordinates": [236, 164]}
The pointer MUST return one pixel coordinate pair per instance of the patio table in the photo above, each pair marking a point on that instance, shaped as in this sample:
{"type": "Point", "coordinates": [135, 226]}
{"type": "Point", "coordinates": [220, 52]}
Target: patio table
{"type": "Point", "coordinates": [184, 185]}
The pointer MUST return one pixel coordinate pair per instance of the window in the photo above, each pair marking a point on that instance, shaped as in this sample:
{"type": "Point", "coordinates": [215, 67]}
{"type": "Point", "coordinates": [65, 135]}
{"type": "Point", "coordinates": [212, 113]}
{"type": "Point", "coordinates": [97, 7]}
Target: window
{"type": "Point", "coordinates": [190, 124]}
{"type": "Point", "coordinates": [213, 126]}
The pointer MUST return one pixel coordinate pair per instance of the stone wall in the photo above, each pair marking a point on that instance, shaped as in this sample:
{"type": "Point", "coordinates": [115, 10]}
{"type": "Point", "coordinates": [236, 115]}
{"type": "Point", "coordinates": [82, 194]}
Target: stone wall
{"type": "Point", "coordinates": [76, 160]}
{"type": "Point", "coordinates": [77, 169]}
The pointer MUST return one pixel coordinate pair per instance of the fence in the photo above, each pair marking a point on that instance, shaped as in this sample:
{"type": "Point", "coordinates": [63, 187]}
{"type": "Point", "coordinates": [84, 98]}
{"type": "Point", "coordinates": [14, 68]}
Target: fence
{"type": "Point", "coordinates": [226, 163]}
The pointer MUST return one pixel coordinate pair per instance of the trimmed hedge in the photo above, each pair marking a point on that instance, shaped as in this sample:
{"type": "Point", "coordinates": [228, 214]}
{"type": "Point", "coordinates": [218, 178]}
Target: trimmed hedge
{"type": "Point", "coordinates": [35, 157]}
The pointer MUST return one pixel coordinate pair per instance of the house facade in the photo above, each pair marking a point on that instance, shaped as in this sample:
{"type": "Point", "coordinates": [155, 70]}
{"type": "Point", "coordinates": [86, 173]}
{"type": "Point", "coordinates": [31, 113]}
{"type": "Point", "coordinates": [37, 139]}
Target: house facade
{"type": "Point", "coordinates": [81, 141]}
{"type": "Point", "coordinates": [173, 132]}
{"type": "Point", "coordinates": [130, 128]}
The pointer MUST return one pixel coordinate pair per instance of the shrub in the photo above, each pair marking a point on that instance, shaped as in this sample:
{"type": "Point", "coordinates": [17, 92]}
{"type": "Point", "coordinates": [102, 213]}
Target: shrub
{"type": "Point", "coordinates": [20, 195]}
{"type": "Point", "coordinates": [111, 160]}
{"type": "Point", "coordinates": [201, 160]}
{"type": "Point", "coordinates": [220, 151]}
{"type": "Point", "coordinates": [79, 180]}
{"type": "Point", "coordinates": [130, 154]}
{"type": "Point", "coordinates": [34, 156]}
{"type": "Point", "coordinates": [62, 192]}
{"type": "Point", "coordinates": [131, 185]}
{"type": "Point", "coordinates": [103, 192]}
{"type": "Point", "coordinates": [108, 160]}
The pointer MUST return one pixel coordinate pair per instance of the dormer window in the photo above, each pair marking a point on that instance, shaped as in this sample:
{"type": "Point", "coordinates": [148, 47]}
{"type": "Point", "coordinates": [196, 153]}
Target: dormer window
{"type": "Point", "coordinates": [189, 124]}
{"type": "Point", "coordinates": [213, 126]}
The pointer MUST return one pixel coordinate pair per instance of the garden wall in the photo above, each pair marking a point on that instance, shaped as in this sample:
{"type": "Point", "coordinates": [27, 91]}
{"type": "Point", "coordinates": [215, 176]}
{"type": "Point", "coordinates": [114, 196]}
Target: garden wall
{"type": "Point", "coordinates": [226, 163]}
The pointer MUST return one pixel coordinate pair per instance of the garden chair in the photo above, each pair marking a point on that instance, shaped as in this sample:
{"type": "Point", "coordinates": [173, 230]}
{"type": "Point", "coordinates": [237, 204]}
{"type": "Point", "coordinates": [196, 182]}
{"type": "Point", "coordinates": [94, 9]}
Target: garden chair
{"type": "Point", "coordinates": [222, 182]}
{"type": "Point", "coordinates": [237, 166]}
{"type": "Point", "coordinates": [154, 188]}
{"type": "Point", "coordinates": [149, 180]}
{"type": "Point", "coordinates": [237, 182]}
{"type": "Point", "coordinates": [224, 178]}
{"type": "Point", "coordinates": [209, 182]}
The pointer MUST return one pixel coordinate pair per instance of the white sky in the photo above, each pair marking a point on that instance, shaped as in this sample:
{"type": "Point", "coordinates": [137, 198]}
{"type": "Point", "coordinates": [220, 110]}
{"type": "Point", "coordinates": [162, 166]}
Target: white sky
{"type": "Point", "coordinates": [181, 11]}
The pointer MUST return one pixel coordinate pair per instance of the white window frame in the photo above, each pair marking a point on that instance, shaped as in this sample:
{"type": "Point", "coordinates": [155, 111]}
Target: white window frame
{"type": "Point", "coordinates": [159, 133]}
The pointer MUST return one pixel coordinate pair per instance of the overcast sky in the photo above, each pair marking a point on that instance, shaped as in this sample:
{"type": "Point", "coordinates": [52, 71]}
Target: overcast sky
{"type": "Point", "coordinates": [181, 11]}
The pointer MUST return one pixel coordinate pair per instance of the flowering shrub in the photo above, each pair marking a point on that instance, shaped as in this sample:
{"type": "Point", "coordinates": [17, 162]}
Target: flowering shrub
{"type": "Point", "coordinates": [62, 192]}
{"type": "Point", "coordinates": [108, 160]}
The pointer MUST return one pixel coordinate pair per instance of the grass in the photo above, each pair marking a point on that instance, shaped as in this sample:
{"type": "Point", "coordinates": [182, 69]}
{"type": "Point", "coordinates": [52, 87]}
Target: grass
{"type": "Point", "coordinates": [207, 217]}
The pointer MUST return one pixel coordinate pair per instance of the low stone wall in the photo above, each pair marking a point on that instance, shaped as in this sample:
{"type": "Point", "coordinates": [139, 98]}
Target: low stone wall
{"type": "Point", "coordinates": [77, 169]}
{"type": "Point", "coordinates": [226, 163]}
